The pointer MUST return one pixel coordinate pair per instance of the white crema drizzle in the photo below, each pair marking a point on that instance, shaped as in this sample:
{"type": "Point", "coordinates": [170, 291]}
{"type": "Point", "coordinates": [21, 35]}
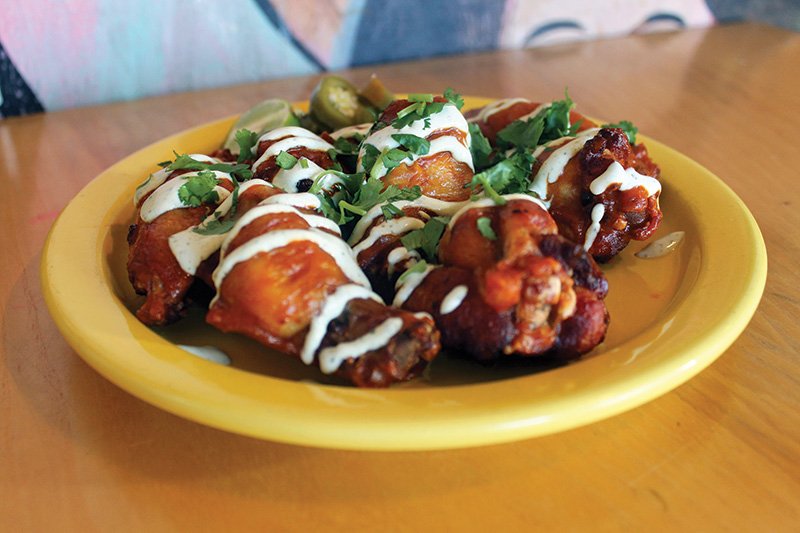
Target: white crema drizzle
{"type": "Point", "coordinates": [351, 131]}
{"type": "Point", "coordinates": [489, 202]}
{"type": "Point", "coordinates": [332, 307]}
{"type": "Point", "coordinates": [331, 358]}
{"type": "Point", "coordinates": [453, 300]}
{"type": "Point", "coordinates": [594, 228]}
{"type": "Point", "coordinates": [625, 178]}
{"type": "Point", "coordinates": [554, 165]}
{"type": "Point", "coordinates": [288, 179]}
{"type": "Point", "coordinates": [407, 285]}
{"type": "Point", "coordinates": [157, 178]}
{"type": "Point", "coordinates": [290, 137]}
{"type": "Point", "coordinates": [332, 245]}
{"type": "Point", "coordinates": [394, 226]}
{"type": "Point", "coordinates": [165, 197]}
{"type": "Point", "coordinates": [448, 117]}
{"type": "Point", "coordinates": [496, 107]}
{"type": "Point", "coordinates": [439, 207]}
{"type": "Point", "coordinates": [191, 247]}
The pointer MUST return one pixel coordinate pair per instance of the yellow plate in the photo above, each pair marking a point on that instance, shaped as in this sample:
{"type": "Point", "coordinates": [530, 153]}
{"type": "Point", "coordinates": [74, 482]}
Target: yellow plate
{"type": "Point", "coordinates": [671, 317]}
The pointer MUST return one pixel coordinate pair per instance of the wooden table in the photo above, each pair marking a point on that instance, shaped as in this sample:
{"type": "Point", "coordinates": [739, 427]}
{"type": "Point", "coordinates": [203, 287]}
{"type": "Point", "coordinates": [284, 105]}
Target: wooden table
{"type": "Point", "coordinates": [719, 453]}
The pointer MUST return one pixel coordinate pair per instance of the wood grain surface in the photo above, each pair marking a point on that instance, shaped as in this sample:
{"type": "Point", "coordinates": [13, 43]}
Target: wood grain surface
{"type": "Point", "coordinates": [721, 452]}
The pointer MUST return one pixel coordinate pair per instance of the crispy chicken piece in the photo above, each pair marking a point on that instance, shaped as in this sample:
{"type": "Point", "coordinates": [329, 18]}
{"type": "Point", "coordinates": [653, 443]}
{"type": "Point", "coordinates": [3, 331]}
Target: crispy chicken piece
{"type": "Point", "coordinates": [552, 289]}
{"type": "Point", "coordinates": [445, 170]}
{"type": "Point", "coordinates": [153, 269]}
{"type": "Point", "coordinates": [527, 292]}
{"type": "Point", "coordinates": [297, 142]}
{"type": "Point", "coordinates": [297, 288]}
{"type": "Point", "coordinates": [607, 194]}
{"type": "Point", "coordinates": [594, 201]}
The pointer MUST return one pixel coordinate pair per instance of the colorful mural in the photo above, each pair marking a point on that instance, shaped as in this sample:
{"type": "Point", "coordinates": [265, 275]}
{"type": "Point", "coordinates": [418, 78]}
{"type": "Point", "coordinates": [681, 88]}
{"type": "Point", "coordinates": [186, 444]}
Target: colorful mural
{"type": "Point", "coordinates": [82, 52]}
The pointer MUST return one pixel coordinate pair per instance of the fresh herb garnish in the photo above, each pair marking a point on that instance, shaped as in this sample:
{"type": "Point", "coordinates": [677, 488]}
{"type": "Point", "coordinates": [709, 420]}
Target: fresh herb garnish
{"type": "Point", "coordinates": [417, 268]}
{"type": "Point", "coordinates": [348, 145]}
{"type": "Point", "coordinates": [483, 155]}
{"type": "Point", "coordinates": [485, 227]}
{"type": "Point", "coordinates": [426, 239]}
{"type": "Point", "coordinates": [285, 160]}
{"type": "Point", "coordinates": [557, 120]}
{"type": "Point", "coordinates": [246, 140]}
{"type": "Point", "coordinates": [199, 189]}
{"type": "Point", "coordinates": [414, 144]}
{"type": "Point", "coordinates": [627, 127]}
{"type": "Point", "coordinates": [422, 106]}
{"type": "Point", "coordinates": [185, 162]}
{"type": "Point", "coordinates": [371, 154]}
{"type": "Point", "coordinates": [454, 98]}
{"type": "Point", "coordinates": [509, 176]}
{"type": "Point", "coordinates": [391, 211]}
{"type": "Point", "coordinates": [303, 162]}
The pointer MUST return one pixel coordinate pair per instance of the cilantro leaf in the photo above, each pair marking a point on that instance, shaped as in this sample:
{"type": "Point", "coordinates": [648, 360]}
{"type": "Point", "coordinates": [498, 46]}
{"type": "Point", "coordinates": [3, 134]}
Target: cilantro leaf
{"type": "Point", "coordinates": [371, 154]}
{"type": "Point", "coordinates": [557, 121]}
{"type": "Point", "coordinates": [511, 175]}
{"type": "Point", "coordinates": [454, 98]}
{"type": "Point", "coordinates": [521, 134]}
{"type": "Point", "coordinates": [420, 97]}
{"type": "Point", "coordinates": [427, 238]}
{"type": "Point", "coordinates": [414, 144]}
{"type": "Point", "coordinates": [185, 162]}
{"type": "Point", "coordinates": [485, 227]}
{"type": "Point", "coordinates": [483, 155]}
{"type": "Point", "coordinates": [285, 160]}
{"type": "Point", "coordinates": [372, 193]}
{"type": "Point", "coordinates": [199, 190]}
{"type": "Point", "coordinates": [391, 211]}
{"type": "Point", "coordinates": [246, 140]}
{"type": "Point", "coordinates": [348, 145]}
{"type": "Point", "coordinates": [626, 126]}
{"type": "Point", "coordinates": [419, 109]}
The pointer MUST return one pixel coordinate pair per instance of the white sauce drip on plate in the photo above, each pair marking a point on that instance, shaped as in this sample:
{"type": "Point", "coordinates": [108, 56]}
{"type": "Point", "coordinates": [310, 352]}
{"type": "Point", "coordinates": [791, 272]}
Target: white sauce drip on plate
{"type": "Point", "coordinates": [662, 246]}
{"type": "Point", "coordinates": [209, 353]}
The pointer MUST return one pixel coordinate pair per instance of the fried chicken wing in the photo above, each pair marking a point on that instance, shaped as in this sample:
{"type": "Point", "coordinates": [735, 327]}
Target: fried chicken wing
{"type": "Point", "coordinates": [310, 152]}
{"type": "Point", "coordinates": [442, 170]}
{"type": "Point", "coordinates": [601, 190]}
{"type": "Point", "coordinates": [163, 211]}
{"type": "Point", "coordinates": [525, 291]}
{"type": "Point", "coordinates": [288, 280]}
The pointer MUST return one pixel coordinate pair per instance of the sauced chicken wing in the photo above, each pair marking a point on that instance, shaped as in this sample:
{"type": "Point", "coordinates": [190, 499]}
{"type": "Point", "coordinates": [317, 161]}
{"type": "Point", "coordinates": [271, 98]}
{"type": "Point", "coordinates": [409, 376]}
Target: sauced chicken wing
{"type": "Point", "coordinates": [288, 280]}
{"type": "Point", "coordinates": [606, 195]}
{"type": "Point", "coordinates": [442, 170]}
{"type": "Point", "coordinates": [601, 190]}
{"type": "Point", "coordinates": [163, 210]}
{"type": "Point", "coordinates": [507, 283]}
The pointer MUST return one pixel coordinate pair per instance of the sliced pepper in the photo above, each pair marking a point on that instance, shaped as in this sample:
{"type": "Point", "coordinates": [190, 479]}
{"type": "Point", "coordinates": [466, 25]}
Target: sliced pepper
{"type": "Point", "coordinates": [335, 104]}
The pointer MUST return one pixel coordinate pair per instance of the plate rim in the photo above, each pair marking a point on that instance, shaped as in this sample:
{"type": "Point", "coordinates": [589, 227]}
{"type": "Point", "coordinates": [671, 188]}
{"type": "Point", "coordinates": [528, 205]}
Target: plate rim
{"type": "Point", "coordinates": [308, 414]}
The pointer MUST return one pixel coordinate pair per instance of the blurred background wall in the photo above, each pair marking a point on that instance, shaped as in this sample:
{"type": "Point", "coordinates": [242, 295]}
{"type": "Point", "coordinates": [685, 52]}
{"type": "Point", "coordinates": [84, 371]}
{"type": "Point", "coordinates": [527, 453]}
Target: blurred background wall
{"type": "Point", "coordinates": [67, 53]}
